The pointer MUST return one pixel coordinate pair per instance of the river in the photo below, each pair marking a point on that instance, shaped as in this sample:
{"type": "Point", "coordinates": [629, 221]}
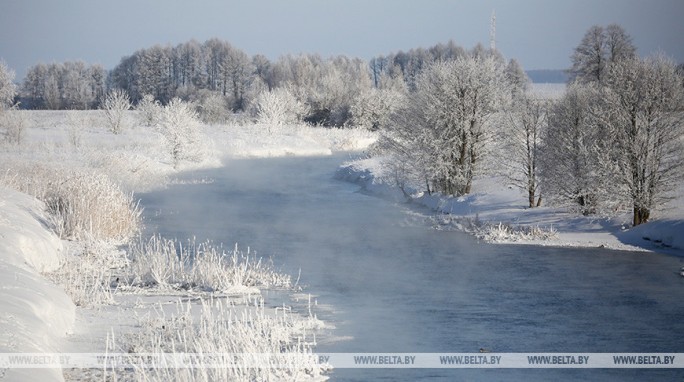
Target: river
{"type": "Point", "coordinates": [389, 283]}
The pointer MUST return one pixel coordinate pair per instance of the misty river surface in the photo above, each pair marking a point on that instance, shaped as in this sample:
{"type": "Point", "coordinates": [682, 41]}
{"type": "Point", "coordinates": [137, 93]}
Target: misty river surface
{"type": "Point", "coordinates": [390, 283]}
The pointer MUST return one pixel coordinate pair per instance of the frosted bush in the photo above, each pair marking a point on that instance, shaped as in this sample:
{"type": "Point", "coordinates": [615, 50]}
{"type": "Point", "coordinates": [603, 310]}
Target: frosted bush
{"type": "Point", "coordinates": [149, 110]}
{"type": "Point", "coordinates": [82, 205]}
{"type": "Point", "coordinates": [506, 233]}
{"type": "Point", "coordinates": [279, 107]}
{"type": "Point", "coordinates": [115, 106]}
{"type": "Point", "coordinates": [76, 125]}
{"type": "Point", "coordinates": [87, 274]}
{"type": "Point", "coordinates": [218, 332]}
{"type": "Point", "coordinates": [213, 108]}
{"type": "Point", "coordinates": [168, 264]}
{"type": "Point", "coordinates": [180, 126]}
{"type": "Point", "coordinates": [13, 125]}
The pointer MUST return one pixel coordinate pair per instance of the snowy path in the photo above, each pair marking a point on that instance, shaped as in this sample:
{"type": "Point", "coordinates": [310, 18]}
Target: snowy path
{"type": "Point", "coordinates": [391, 284]}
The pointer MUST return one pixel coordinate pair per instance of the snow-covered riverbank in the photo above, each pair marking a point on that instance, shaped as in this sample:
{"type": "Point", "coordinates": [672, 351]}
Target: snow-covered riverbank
{"type": "Point", "coordinates": [497, 213]}
{"type": "Point", "coordinates": [35, 314]}
{"type": "Point", "coordinates": [39, 317]}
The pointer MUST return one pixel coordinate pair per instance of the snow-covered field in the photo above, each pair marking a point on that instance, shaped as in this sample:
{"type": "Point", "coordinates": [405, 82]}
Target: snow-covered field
{"type": "Point", "coordinates": [90, 294]}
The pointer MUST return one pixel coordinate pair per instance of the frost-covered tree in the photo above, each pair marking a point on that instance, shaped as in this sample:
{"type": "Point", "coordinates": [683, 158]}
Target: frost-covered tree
{"type": "Point", "coordinates": [517, 77]}
{"type": "Point", "coordinates": [373, 108]}
{"type": "Point", "coordinates": [279, 107]}
{"type": "Point", "coordinates": [149, 110]}
{"type": "Point", "coordinates": [12, 122]}
{"type": "Point", "coordinates": [8, 90]}
{"type": "Point", "coordinates": [641, 106]}
{"type": "Point", "coordinates": [180, 126]}
{"type": "Point", "coordinates": [570, 153]}
{"type": "Point", "coordinates": [521, 147]}
{"type": "Point", "coordinates": [115, 106]}
{"type": "Point", "coordinates": [68, 85]}
{"type": "Point", "coordinates": [599, 49]}
{"type": "Point", "coordinates": [446, 126]}
{"type": "Point", "coordinates": [327, 87]}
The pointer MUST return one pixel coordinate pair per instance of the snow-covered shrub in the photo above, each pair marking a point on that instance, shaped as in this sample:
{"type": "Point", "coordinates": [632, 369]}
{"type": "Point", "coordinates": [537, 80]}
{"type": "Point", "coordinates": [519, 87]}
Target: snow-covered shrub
{"type": "Point", "coordinates": [213, 108]}
{"type": "Point", "coordinates": [213, 333]}
{"type": "Point", "coordinates": [373, 108]}
{"type": "Point", "coordinates": [115, 106]}
{"type": "Point", "coordinates": [77, 123]}
{"type": "Point", "coordinates": [87, 274]}
{"type": "Point", "coordinates": [507, 233]}
{"type": "Point", "coordinates": [82, 205]}
{"type": "Point", "coordinates": [279, 107]}
{"type": "Point", "coordinates": [180, 126]}
{"type": "Point", "coordinates": [168, 263]}
{"type": "Point", "coordinates": [149, 110]}
{"type": "Point", "coordinates": [91, 205]}
{"type": "Point", "coordinates": [13, 124]}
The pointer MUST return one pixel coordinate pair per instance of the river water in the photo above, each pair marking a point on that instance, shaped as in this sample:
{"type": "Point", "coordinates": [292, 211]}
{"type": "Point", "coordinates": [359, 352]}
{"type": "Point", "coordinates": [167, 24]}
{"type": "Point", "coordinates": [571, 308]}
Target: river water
{"type": "Point", "coordinates": [389, 283]}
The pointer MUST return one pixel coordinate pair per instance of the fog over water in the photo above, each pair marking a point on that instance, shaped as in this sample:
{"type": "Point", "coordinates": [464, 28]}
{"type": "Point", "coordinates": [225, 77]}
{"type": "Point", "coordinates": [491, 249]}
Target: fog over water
{"type": "Point", "coordinates": [390, 283]}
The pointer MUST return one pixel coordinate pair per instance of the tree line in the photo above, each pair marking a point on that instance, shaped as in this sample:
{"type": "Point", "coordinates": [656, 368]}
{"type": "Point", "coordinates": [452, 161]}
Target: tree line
{"type": "Point", "coordinates": [217, 75]}
{"type": "Point", "coordinates": [613, 142]}
{"type": "Point", "coordinates": [446, 115]}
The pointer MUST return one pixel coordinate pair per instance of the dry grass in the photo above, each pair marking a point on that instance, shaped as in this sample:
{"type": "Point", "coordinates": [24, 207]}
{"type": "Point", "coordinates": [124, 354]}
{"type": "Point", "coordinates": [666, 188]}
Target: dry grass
{"type": "Point", "coordinates": [169, 264]}
{"type": "Point", "coordinates": [83, 205]}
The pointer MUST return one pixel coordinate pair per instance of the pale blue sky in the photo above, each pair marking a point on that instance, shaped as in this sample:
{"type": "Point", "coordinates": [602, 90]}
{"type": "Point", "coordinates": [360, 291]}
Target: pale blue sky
{"type": "Point", "coordinates": [540, 34]}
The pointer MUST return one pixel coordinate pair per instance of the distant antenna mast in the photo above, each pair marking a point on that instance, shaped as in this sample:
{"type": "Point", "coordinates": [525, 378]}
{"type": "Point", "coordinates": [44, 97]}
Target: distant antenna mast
{"type": "Point", "coordinates": [492, 32]}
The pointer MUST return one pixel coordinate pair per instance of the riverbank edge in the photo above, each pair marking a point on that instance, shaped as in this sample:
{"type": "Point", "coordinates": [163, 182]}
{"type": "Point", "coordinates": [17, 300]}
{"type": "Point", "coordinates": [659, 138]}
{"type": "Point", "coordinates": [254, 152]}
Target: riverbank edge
{"type": "Point", "coordinates": [663, 236]}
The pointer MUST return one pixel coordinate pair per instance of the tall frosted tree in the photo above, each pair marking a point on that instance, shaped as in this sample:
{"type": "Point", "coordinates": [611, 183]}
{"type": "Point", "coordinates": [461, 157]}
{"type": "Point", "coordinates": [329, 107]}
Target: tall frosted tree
{"type": "Point", "coordinates": [599, 49]}
{"type": "Point", "coordinates": [524, 125]}
{"type": "Point", "coordinates": [570, 153]}
{"type": "Point", "coordinates": [445, 129]}
{"type": "Point", "coordinates": [517, 77]}
{"type": "Point", "coordinates": [641, 106]}
{"type": "Point", "coordinates": [67, 85]}
{"type": "Point", "coordinates": [8, 90]}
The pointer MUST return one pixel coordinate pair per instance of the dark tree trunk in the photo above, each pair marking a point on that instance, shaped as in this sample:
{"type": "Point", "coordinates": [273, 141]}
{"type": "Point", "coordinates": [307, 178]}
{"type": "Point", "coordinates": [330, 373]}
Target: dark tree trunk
{"type": "Point", "coordinates": [530, 194]}
{"type": "Point", "coordinates": [641, 215]}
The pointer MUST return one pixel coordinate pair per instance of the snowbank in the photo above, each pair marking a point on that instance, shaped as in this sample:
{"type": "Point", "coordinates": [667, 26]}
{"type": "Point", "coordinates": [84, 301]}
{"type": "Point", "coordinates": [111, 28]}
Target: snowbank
{"type": "Point", "coordinates": [34, 314]}
{"type": "Point", "coordinates": [498, 213]}
{"type": "Point", "coordinates": [264, 141]}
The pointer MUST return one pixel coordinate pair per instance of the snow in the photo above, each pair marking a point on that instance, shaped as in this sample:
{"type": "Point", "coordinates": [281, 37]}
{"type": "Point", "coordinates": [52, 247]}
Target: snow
{"type": "Point", "coordinates": [494, 207]}
{"type": "Point", "coordinates": [35, 315]}
{"type": "Point", "coordinates": [551, 91]}
{"type": "Point", "coordinates": [38, 316]}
